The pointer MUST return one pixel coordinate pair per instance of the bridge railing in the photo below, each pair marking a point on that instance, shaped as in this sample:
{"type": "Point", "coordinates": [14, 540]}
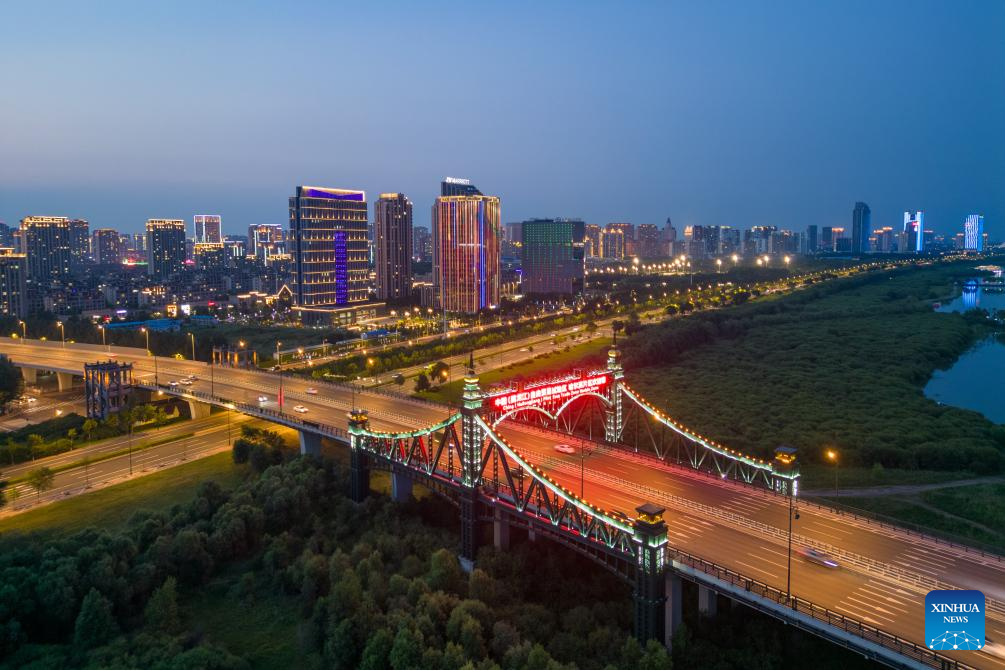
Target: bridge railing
{"type": "Point", "coordinates": [844, 623]}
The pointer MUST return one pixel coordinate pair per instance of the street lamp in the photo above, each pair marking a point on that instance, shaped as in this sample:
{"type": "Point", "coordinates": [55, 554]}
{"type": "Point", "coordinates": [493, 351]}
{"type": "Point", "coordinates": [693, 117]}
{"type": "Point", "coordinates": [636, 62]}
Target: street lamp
{"type": "Point", "coordinates": [718, 264]}
{"type": "Point", "coordinates": [62, 332]}
{"type": "Point", "coordinates": [103, 343]}
{"type": "Point", "coordinates": [279, 397]}
{"type": "Point", "coordinates": [147, 334]}
{"type": "Point", "coordinates": [24, 331]}
{"type": "Point", "coordinates": [832, 456]}
{"type": "Point", "coordinates": [192, 337]}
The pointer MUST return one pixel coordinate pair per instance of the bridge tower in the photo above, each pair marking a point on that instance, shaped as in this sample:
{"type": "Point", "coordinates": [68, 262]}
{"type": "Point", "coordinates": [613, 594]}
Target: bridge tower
{"type": "Point", "coordinates": [613, 417]}
{"type": "Point", "coordinates": [359, 466]}
{"type": "Point", "coordinates": [472, 443]}
{"type": "Point", "coordinates": [650, 574]}
{"type": "Point", "coordinates": [106, 387]}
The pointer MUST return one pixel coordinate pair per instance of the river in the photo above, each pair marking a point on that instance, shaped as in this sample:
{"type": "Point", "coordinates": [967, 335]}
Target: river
{"type": "Point", "coordinates": [977, 379]}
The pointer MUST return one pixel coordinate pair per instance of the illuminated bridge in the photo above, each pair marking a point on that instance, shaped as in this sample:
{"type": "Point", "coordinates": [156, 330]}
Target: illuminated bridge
{"type": "Point", "coordinates": [628, 487]}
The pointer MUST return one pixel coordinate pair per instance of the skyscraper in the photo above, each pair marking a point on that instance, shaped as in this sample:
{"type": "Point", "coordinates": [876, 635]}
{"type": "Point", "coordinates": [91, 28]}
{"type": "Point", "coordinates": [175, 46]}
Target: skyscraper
{"type": "Point", "coordinates": [328, 243]}
{"type": "Point", "coordinates": [861, 224]}
{"type": "Point", "coordinates": [827, 239]}
{"type": "Point", "coordinates": [648, 243]}
{"type": "Point", "coordinates": [80, 245]}
{"type": "Point", "coordinates": [422, 244]}
{"type": "Point", "coordinates": [13, 283]}
{"type": "Point", "coordinates": [612, 243]}
{"type": "Point", "coordinates": [467, 245]}
{"type": "Point", "coordinates": [45, 240]}
{"type": "Point", "coordinates": [457, 186]}
{"type": "Point", "coordinates": [552, 254]}
{"type": "Point", "coordinates": [106, 246]}
{"type": "Point", "coordinates": [592, 243]}
{"type": "Point", "coordinates": [973, 233]}
{"type": "Point", "coordinates": [208, 228]}
{"type": "Point", "coordinates": [629, 236]}
{"type": "Point", "coordinates": [265, 240]}
{"type": "Point", "coordinates": [914, 232]}
{"type": "Point", "coordinates": [393, 233]}
{"type": "Point", "coordinates": [811, 239]}
{"type": "Point", "coordinates": [165, 247]}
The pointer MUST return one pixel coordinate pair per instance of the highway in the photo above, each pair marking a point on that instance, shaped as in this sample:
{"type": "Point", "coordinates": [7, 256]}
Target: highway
{"type": "Point", "coordinates": [885, 572]}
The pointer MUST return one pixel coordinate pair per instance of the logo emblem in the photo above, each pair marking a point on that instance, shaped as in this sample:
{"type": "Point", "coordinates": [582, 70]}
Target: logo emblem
{"type": "Point", "coordinates": [954, 620]}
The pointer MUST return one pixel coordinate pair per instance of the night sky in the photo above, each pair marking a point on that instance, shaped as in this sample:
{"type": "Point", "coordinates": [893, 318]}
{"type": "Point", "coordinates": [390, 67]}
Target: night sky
{"type": "Point", "coordinates": [734, 113]}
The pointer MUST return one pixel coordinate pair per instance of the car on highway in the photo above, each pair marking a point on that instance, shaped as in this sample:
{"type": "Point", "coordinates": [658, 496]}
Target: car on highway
{"type": "Point", "coordinates": [301, 409]}
{"type": "Point", "coordinates": [30, 398]}
{"type": "Point", "coordinates": [263, 398]}
{"type": "Point", "coordinates": [192, 378]}
{"type": "Point", "coordinates": [820, 558]}
{"type": "Point", "coordinates": [525, 349]}
{"type": "Point", "coordinates": [173, 384]}
{"type": "Point", "coordinates": [311, 390]}
{"type": "Point", "coordinates": [185, 382]}
{"type": "Point", "coordinates": [564, 449]}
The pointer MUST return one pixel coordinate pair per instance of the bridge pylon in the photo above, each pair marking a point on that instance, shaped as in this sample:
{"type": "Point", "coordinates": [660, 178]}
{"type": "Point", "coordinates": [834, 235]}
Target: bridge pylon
{"type": "Point", "coordinates": [613, 415]}
{"type": "Point", "coordinates": [650, 574]}
{"type": "Point", "coordinates": [359, 465]}
{"type": "Point", "coordinates": [472, 444]}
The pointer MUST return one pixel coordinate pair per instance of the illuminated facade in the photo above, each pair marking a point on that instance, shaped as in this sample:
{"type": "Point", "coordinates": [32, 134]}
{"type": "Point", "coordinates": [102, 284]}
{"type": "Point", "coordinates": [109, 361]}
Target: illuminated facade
{"type": "Point", "coordinates": [328, 243]}
{"type": "Point", "coordinates": [973, 233]}
{"type": "Point", "coordinates": [467, 239]}
{"type": "Point", "coordinates": [592, 241]}
{"type": "Point", "coordinates": [13, 273]}
{"type": "Point", "coordinates": [106, 246]}
{"type": "Point", "coordinates": [612, 244]}
{"type": "Point", "coordinates": [208, 229]}
{"type": "Point", "coordinates": [552, 256]}
{"type": "Point", "coordinates": [266, 240]}
{"type": "Point", "coordinates": [45, 240]}
{"type": "Point", "coordinates": [914, 232]}
{"type": "Point", "coordinates": [393, 239]}
{"type": "Point", "coordinates": [648, 242]}
{"type": "Point", "coordinates": [457, 186]}
{"type": "Point", "coordinates": [165, 247]}
{"type": "Point", "coordinates": [861, 224]}
{"type": "Point", "coordinates": [80, 244]}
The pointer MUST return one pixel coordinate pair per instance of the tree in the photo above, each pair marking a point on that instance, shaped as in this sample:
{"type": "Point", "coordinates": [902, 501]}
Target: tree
{"type": "Point", "coordinates": [406, 652]}
{"type": "Point", "coordinates": [89, 426]}
{"type": "Point", "coordinates": [242, 450]}
{"type": "Point", "coordinates": [591, 328]}
{"type": "Point", "coordinates": [34, 442]}
{"type": "Point", "coordinates": [41, 480]}
{"type": "Point", "coordinates": [71, 435]}
{"type": "Point", "coordinates": [161, 611]}
{"type": "Point", "coordinates": [11, 381]}
{"type": "Point", "coordinates": [399, 379]}
{"type": "Point", "coordinates": [439, 372]}
{"type": "Point", "coordinates": [422, 382]}
{"type": "Point", "coordinates": [377, 650]}
{"type": "Point", "coordinates": [95, 624]}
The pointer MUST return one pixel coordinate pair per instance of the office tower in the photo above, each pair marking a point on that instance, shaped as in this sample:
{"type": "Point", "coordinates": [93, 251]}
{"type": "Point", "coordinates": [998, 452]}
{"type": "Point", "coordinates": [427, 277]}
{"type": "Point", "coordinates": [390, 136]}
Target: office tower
{"type": "Point", "coordinates": [165, 247]}
{"type": "Point", "coordinates": [45, 240]}
{"type": "Point", "coordinates": [139, 242]}
{"type": "Point", "coordinates": [811, 239]}
{"type": "Point", "coordinates": [839, 242]}
{"type": "Point", "coordinates": [467, 244]}
{"type": "Point", "coordinates": [13, 283]}
{"type": "Point", "coordinates": [80, 239]}
{"type": "Point", "coordinates": [513, 232]}
{"type": "Point", "coordinates": [208, 229]}
{"type": "Point", "coordinates": [629, 236]}
{"type": "Point", "coordinates": [393, 232]}
{"type": "Point", "coordinates": [884, 239]}
{"type": "Point", "coordinates": [328, 244]}
{"type": "Point", "coordinates": [914, 232]}
{"type": "Point", "coordinates": [648, 242]}
{"type": "Point", "coordinates": [455, 186]}
{"type": "Point", "coordinates": [552, 256]}
{"type": "Point", "coordinates": [827, 239]}
{"type": "Point", "coordinates": [973, 233]}
{"type": "Point", "coordinates": [106, 246]}
{"type": "Point", "coordinates": [612, 244]}
{"type": "Point", "coordinates": [6, 235]}
{"type": "Point", "coordinates": [592, 244]}
{"type": "Point", "coordinates": [861, 224]}
{"type": "Point", "coordinates": [422, 244]}
{"type": "Point", "coordinates": [210, 255]}
{"type": "Point", "coordinates": [265, 240]}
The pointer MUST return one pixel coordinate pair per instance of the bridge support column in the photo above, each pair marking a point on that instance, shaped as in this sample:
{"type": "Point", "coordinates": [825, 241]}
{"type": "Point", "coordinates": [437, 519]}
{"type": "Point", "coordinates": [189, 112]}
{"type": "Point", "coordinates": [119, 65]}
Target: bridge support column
{"type": "Point", "coordinates": [708, 602]}
{"type": "Point", "coordinates": [401, 487]}
{"type": "Point", "coordinates": [359, 465]}
{"type": "Point", "coordinates": [469, 528]}
{"type": "Point", "coordinates": [472, 446]}
{"type": "Point", "coordinates": [500, 531]}
{"type": "Point", "coordinates": [613, 415]}
{"type": "Point", "coordinates": [310, 444]}
{"type": "Point", "coordinates": [198, 410]}
{"type": "Point", "coordinates": [65, 380]}
{"type": "Point", "coordinates": [30, 375]}
{"type": "Point", "coordinates": [650, 574]}
{"type": "Point", "coordinates": [672, 617]}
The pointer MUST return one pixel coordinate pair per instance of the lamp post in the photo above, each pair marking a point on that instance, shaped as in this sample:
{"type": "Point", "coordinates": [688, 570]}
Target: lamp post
{"type": "Point", "coordinates": [103, 343]}
{"type": "Point", "coordinates": [832, 456]}
{"type": "Point", "coordinates": [24, 331]}
{"type": "Point", "coordinates": [279, 397]}
{"type": "Point", "coordinates": [192, 337]}
{"type": "Point", "coordinates": [146, 333]}
{"type": "Point", "coordinates": [62, 332]}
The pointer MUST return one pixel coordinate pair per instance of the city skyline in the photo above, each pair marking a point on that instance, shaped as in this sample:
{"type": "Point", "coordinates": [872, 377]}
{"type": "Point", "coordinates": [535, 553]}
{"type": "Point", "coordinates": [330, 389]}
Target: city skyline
{"type": "Point", "coordinates": [786, 141]}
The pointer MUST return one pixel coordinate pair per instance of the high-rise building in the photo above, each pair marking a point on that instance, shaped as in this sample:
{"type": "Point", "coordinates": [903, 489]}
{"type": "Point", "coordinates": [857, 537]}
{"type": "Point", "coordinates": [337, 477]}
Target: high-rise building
{"type": "Point", "coordinates": [13, 283]}
{"type": "Point", "coordinates": [648, 242]}
{"type": "Point", "coordinates": [827, 239]}
{"type": "Point", "coordinates": [6, 235]}
{"type": "Point", "coordinates": [165, 247]}
{"type": "Point", "coordinates": [467, 246]}
{"type": "Point", "coordinates": [139, 242]}
{"type": "Point", "coordinates": [457, 186]}
{"type": "Point", "coordinates": [629, 236]}
{"type": "Point", "coordinates": [328, 243]}
{"type": "Point", "coordinates": [883, 240]}
{"type": "Point", "coordinates": [592, 243]}
{"type": "Point", "coordinates": [422, 244]}
{"type": "Point", "coordinates": [861, 224]}
{"type": "Point", "coordinates": [45, 240]}
{"type": "Point", "coordinates": [80, 245]}
{"type": "Point", "coordinates": [973, 233]}
{"type": "Point", "coordinates": [612, 242]}
{"type": "Point", "coordinates": [812, 243]}
{"type": "Point", "coordinates": [208, 228]}
{"type": "Point", "coordinates": [393, 233]}
{"type": "Point", "coordinates": [106, 246]}
{"type": "Point", "coordinates": [552, 256]}
{"type": "Point", "coordinates": [914, 232]}
{"type": "Point", "coordinates": [265, 240]}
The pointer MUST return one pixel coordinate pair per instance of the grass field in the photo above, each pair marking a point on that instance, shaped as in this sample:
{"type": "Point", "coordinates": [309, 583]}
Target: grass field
{"type": "Point", "coordinates": [577, 355]}
{"type": "Point", "coordinates": [112, 506]}
{"type": "Point", "coordinates": [820, 477]}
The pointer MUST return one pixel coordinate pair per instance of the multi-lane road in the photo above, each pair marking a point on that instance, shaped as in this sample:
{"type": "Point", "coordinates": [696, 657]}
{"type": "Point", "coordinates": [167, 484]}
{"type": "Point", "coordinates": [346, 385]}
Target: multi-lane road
{"type": "Point", "coordinates": [885, 572]}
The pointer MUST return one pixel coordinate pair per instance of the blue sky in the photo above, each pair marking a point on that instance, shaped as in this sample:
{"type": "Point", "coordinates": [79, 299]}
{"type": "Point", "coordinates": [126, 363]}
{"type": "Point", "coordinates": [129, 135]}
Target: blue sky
{"type": "Point", "coordinates": [716, 113]}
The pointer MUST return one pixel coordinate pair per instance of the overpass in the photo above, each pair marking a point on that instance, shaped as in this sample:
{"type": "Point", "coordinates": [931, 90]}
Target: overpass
{"type": "Point", "coordinates": [702, 512]}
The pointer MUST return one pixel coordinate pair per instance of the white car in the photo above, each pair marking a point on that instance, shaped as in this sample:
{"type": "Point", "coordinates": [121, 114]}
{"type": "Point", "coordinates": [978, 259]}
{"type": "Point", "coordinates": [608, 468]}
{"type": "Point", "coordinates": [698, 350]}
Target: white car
{"type": "Point", "coordinates": [311, 390]}
{"type": "Point", "coordinates": [173, 384]}
{"type": "Point", "coordinates": [193, 378]}
{"type": "Point", "coordinates": [564, 449]}
{"type": "Point", "coordinates": [301, 409]}
{"type": "Point", "coordinates": [185, 382]}
{"type": "Point", "coordinates": [263, 398]}
{"type": "Point", "coordinates": [816, 556]}
{"type": "Point", "coordinates": [31, 398]}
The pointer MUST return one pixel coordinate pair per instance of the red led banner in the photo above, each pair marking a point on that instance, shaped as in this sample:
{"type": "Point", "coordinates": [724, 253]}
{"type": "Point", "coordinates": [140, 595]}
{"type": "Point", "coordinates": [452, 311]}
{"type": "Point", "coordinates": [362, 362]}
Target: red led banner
{"type": "Point", "coordinates": [551, 393]}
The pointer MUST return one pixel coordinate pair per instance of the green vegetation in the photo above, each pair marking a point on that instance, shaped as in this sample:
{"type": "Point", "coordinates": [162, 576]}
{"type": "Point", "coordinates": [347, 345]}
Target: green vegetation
{"type": "Point", "coordinates": [11, 381]}
{"type": "Point", "coordinates": [839, 365]}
